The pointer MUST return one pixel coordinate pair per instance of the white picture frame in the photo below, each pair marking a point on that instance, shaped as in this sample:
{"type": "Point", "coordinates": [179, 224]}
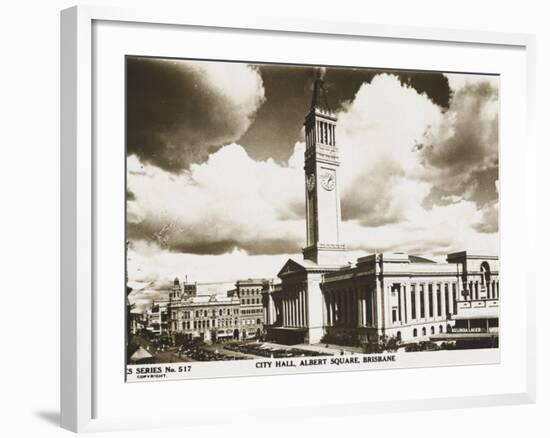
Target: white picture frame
{"type": "Point", "coordinates": [79, 174]}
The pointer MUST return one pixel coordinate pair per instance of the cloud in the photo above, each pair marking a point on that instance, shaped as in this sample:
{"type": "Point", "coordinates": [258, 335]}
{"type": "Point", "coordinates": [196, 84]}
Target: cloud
{"type": "Point", "coordinates": [460, 153]}
{"type": "Point", "coordinates": [149, 262]}
{"type": "Point", "coordinates": [230, 202]}
{"type": "Point", "coordinates": [377, 134]}
{"type": "Point", "coordinates": [402, 154]}
{"type": "Point", "coordinates": [178, 112]}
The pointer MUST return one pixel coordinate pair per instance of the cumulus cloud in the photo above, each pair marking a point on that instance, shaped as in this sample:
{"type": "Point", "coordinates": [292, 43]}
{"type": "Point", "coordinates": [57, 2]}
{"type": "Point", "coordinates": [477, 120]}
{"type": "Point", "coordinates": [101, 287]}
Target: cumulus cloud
{"type": "Point", "coordinates": [178, 112]}
{"type": "Point", "coordinates": [377, 134]}
{"type": "Point", "coordinates": [228, 202]}
{"type": "Point", "coordinates": [460, 152]}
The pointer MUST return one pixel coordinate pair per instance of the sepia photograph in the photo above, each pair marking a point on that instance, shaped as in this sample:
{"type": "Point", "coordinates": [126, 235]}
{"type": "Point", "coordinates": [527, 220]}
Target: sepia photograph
{"type": "Point", "coordinates": [303, 217]}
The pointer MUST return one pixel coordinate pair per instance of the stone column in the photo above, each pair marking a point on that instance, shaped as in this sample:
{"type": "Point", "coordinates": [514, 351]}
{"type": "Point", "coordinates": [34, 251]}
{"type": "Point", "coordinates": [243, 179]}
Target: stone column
{"type": "Point", "coordinates": [404, 307]}
{"type": "Point", "coordinates": [350, 304]}
{"type": "Point", "coordinates": [336, 309]}
{"type": "Point", "coordinates": [293, 308]}
{"type": "Point", "coordinates": [298, 310]}
{"type": "Point", "coordinates": [359, 304]}
{"type": "Point", "coordinates": [329, 309]}
{"type": "Point", "coordinates": [287, 310]}
{"type": "Point", "coordinates": [443, 302]}
{"type": "Point", "coordinates": [353, 305]}
{"type": "Point", "coordinates": [409, 303]}
{"type": "Point", "coordinates": [334, 305]}
{"type": "Point", "coordinates": [282, 307]}
{"type": "Point", "coordinates": [304, 297]}
{"type": "Point", "coordinates": [426, 301]}
{"type": "Point", "coordinates": [364, 296]}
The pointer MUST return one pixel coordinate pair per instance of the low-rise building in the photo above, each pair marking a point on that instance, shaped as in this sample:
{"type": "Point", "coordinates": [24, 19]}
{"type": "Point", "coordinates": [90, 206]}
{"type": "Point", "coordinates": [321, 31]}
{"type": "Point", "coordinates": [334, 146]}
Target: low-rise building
{"type": "Point", "coordinates": [157, 317]}
{"type": "Point", "coordinates": [209, 318]}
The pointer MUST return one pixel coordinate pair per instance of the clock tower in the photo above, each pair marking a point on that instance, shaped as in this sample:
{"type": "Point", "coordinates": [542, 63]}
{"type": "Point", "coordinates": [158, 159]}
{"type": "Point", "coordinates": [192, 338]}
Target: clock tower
{"type": "Point", "coordinates": [323, 214]}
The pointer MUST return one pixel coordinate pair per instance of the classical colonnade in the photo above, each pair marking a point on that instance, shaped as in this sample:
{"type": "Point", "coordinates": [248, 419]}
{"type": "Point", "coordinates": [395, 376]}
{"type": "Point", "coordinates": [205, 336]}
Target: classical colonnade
{"type": "Point", "coordinates": [287, 308]}
{"type": "Point", "coordinates": [350, 307]}
{"type": "Point", "coordinates": [405, 302]}
{"type": "Point", "coordinates": [474, 287]}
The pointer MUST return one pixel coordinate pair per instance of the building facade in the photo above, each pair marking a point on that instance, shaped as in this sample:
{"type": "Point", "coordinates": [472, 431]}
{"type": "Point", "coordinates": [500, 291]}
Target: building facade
{"type": "Point", "coordinates": [238, 315]}
{"type": "Point", "coordinates": [157, 318]}
{"type": "Point", "coordinates": [252, 319]}
{"type": "Point", "coordinates": [208, 318]}
{"type": "Point", "coordinates": [380, 295]}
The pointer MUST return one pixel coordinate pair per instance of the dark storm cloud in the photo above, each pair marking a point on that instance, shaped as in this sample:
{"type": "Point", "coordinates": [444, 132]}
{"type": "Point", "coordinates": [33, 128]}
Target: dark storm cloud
{"type": "Point", "coordinates": [461, 156]}
{"type": "Point", "coordinates": [435, 86]}
{"type": "Point", "coordinates": [278, 123]}
{"type": "Point", "coordinates": [176, 115]}
{"type": "Point", "coordinates": [201, 240]}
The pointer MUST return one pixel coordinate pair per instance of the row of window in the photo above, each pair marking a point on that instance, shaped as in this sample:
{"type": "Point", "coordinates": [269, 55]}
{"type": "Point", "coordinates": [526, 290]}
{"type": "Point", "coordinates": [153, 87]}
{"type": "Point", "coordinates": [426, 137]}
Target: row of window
{"type": "Point", "coordinates": [250, 292]}
{"type": "Point", "coordinates": [207, 323]}
{"type": "Point", "coordinates": [252, 311]}
{"type": "Point", "coordinates": [205, 313]}
{"type": "Point", "coordinates": [251, 321]}
{"type": "Point", "coordinates": [251, 301]}
{"type": "Point", "coordinates": [424, 332]}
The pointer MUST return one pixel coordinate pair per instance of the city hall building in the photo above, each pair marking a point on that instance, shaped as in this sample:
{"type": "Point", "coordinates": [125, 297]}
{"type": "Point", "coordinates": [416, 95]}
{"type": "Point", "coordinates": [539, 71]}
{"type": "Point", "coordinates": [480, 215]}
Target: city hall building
{"type": "Point", "coordinates": [380, 295]}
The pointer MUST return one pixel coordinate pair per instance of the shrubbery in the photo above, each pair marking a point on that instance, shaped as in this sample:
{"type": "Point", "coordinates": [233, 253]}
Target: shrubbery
{"type": "Point", "coordinates": [384, 344]}
{"type": "Point", "coordinates": [350, 340]}
{"type": "Point", "coordinates": [422, 346]}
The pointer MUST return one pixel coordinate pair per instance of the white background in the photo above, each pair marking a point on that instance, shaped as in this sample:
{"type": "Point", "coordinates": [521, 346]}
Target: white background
{"type": "Point", "coordinates": [30, 222]}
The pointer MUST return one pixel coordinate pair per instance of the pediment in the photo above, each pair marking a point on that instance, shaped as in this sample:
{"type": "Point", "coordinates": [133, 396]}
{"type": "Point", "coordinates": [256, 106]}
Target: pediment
{"type": "Point", "coordinates": [290, 267]}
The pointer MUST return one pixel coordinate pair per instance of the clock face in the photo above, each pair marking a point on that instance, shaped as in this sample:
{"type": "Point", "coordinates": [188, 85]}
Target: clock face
{"type": "Point", "coordinates": [328, 181]}
{"type": "Point", "coordinates": [310, 182]}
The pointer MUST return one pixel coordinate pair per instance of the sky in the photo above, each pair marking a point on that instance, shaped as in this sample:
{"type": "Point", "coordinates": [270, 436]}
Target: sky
{"type": "Point", "coordinates": [215, 154]}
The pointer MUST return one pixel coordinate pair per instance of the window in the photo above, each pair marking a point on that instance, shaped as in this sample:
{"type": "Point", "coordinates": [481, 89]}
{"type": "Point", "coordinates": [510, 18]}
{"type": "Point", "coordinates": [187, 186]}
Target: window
{"type": "Point", "coordinates": [432, 330]}
{"type": "Point", "coordinates": [415, 333]}
{"type": "Point", "coordinates": [422, 302]}
{"type": "Point", "coordinates": [393, 315]}
{"type": "Point", "coordinates": [398, 336]}
{"type": "Point", "coordinates": [423, 331]}
{"type": "Point", "coordinates": [438, 300]}
{"type": "Point", "coordinates": [440, 329]}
